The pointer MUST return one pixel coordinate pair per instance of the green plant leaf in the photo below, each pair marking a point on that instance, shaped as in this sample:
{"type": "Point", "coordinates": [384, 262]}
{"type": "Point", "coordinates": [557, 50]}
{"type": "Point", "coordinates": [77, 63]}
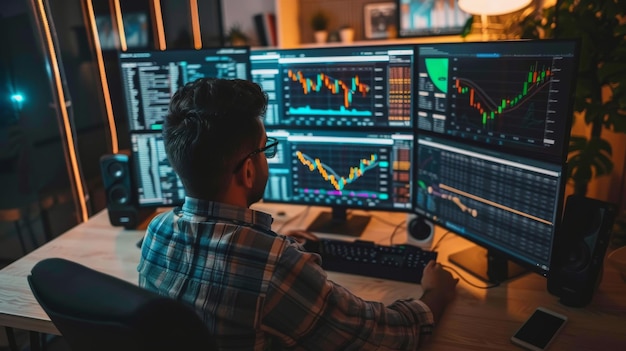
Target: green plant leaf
{"type": "Point", "coordinates": [319, 20]}
{"type": "Point", "coordinates": [602, 165]}
{"type": "Point", "coordinates": [593, 113]}
{"type": "Point", "coordinates": [584, 85]}
{"type": "Point", "coordinates": [601, 145]}
{"type": "Point", "coordinates": [467, 27]}
{"type": "Point", "coordinates": [611, 71]}
{"type": "Point", "coordinates": [620, 30]}
{"type": "Point", "coordinates": [589, 158]}
{"type": "Point", "coordinates": [577, 143]}
{"type": "Point", "coordinates": [618, 121]}
{"type": "Point", "coordinates": [613, 7]}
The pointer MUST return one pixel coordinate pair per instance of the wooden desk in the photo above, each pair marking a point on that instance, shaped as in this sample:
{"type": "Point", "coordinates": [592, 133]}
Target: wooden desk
{"type": "Point", "coordinates": [477, 320]}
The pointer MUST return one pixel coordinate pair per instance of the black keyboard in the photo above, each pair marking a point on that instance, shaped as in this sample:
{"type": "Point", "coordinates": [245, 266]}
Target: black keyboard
{"type": "Point", "coordinates": [402, 262]}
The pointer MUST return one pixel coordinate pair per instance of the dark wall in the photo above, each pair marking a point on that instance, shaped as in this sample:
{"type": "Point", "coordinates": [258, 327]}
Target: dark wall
{"type": "Point", "coordinates": [33, 162]}
{"type": "Point", "coordinates": [33, 155]}
{"type": "Point", "coordinates": [33, 150]}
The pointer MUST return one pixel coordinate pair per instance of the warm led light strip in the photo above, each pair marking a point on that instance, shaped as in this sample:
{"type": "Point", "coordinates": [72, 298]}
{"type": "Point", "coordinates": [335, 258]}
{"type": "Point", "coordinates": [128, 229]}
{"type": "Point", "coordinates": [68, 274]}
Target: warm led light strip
{"type": "Point", "coordinates": [195, 24]}
{"type": "Point", "coordinates": [158, 23]}
{"type": "Point", "coordinates": [103, 79]}
{"type": "Point", "coordinates": [63, 109]}
{"type": "Point", "coordinates": [117, 11]}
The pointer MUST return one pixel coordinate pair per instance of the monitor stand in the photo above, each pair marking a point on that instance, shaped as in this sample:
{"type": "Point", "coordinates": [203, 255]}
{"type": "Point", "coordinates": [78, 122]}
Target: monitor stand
{"type": "Point", "coordinates": [485, 265]}
{"type": "Point", "coordinates": [339, 222]}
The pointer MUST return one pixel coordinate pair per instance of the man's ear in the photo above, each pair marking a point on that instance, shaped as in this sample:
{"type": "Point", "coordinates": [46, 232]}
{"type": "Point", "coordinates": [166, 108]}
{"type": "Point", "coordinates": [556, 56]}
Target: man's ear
{"type": "Point", "coordinates": [247, 173]}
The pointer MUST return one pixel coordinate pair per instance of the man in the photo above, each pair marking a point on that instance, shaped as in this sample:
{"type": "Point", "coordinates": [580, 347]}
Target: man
{"type": "Point", "coordinates": [255, 289]}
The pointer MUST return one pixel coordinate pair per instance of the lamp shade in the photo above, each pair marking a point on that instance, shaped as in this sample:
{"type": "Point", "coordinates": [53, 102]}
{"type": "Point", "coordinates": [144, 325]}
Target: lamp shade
{"type": "Point", "coordinates": [492, 7]}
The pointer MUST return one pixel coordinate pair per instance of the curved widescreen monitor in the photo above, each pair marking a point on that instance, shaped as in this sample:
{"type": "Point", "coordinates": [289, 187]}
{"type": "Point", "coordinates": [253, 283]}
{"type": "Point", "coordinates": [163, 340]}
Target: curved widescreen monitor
{"type": "Point", "coordinates": [343, 115]}
{"type": "Point", "coordinates": [149, 79]}
{"type": "Point", "coordinates": [493, 122]}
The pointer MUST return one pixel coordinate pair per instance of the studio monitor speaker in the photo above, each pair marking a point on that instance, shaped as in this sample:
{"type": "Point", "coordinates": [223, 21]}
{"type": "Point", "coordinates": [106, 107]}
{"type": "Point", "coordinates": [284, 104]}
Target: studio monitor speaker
{"type": "Point", "coordinates": [121, 202]}
{"type": "Point", "coordinates": [580, 245]}
{"type": "Point", "coordinates": [420, 231]}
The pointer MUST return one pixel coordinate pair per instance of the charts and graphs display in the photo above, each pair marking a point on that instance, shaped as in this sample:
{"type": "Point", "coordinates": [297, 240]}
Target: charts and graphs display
{"type": "Point", "coordinates": [156, 183]}
{"type": "Point", "coordinates": [515, 95]}
{"type": "Point", "coordinates": [352, 169]}
{"type": "Point", "coordinates": [344, 119]}
{"type": "Point", "coordinates": [149, 80]}
{"type": "Point", "coordinates": [501, 201]}
{"type": "Point", "coordinates": [493, 123]}
{"type": "Point", "coordinates": [366, 86]}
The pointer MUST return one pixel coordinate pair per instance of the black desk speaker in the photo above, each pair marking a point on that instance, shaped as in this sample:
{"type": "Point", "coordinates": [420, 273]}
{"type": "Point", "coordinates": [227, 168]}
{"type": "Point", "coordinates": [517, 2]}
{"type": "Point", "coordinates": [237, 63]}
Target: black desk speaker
{"type": "Point", "coordinates": [120, 198]}
{"type": "Point", "coordinates": [580, 246]}
{"type": "Point", "coordinates": [420, 231]}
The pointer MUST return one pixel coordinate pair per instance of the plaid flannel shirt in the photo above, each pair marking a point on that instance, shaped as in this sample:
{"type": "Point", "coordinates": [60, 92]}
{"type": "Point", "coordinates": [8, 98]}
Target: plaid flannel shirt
{"type": "Point", "coordinates": [257, 290]}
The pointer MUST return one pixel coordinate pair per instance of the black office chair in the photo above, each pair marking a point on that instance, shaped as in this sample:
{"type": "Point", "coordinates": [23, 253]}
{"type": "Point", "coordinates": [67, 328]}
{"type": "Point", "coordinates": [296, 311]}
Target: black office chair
{"type": "Point", "coordinates": [95, 311]}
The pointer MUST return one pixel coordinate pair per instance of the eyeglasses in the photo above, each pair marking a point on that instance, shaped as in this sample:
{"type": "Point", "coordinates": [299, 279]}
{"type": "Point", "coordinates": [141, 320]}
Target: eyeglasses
{"type": "Point", "coordinates": [269, 150]}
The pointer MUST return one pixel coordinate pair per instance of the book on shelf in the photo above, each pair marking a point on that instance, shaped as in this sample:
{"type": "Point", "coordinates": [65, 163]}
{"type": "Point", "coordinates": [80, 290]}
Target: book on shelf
{"type": "Point", "coordinates": [265, 24]}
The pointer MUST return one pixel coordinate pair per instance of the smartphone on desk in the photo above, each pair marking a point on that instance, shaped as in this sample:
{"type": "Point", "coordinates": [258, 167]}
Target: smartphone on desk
{"type": "Point", "coordinates": [539, 330]}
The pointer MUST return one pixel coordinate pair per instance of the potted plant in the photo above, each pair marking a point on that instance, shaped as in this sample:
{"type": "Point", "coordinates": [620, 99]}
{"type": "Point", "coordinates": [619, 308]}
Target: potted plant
{"type": "Point", "coordinates": [602, 70]}
{"type": "Point", "coordinates": [346, 33]}
{"type": "Point", "coordinates": [236, 36]}
{"type": "Point", "coordinates": [319, 24]}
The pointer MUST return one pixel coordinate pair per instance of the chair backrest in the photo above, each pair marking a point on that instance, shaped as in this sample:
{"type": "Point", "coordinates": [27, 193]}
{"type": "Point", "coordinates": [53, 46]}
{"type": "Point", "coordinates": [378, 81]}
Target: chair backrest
{"type": "Point", "coordinates": [96, 311]}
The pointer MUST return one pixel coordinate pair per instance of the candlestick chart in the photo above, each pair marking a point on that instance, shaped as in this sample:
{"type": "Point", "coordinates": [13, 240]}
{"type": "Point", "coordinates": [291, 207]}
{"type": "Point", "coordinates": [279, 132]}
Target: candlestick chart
{"type": "Point", "coordinates": [509, 100]}
{"type": "Point", "coordinates": [330, 91]}
{"type": "Point", "coordinates": [354, 171]}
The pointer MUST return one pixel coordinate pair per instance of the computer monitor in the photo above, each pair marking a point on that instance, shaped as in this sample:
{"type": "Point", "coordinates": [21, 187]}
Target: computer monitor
{"type": "Point", "coordinates": [149, 79]}
{"type": "Point", "coordinates": [343, 117]}
{"type": "Point", "coordinates": [493, 122]}
{"type": "Point", "coordinates": [337, 88]}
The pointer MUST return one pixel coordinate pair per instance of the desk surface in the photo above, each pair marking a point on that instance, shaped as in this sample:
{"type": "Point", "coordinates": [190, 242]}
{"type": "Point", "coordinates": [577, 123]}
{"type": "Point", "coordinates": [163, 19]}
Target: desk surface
{"type": "Point", "coordinates": [477, 319]}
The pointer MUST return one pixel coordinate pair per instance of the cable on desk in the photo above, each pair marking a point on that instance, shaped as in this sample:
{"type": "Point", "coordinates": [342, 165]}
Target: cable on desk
{"type": "Point", "coordinates": [394, 225]}
{"type": "Point", "coordinates": [439, 241]}
{"type": "Point", "coordinates": [467, 281]}
{"type": "Point", "coordinates": [434, 248]}
{"type": "Point", "coordinates": [395, 231]}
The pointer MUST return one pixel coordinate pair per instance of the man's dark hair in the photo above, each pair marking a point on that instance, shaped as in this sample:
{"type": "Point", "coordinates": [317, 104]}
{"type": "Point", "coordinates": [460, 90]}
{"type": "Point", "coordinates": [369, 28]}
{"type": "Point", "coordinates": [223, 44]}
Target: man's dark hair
{"type": "Point", "coordinates": [211, 123]}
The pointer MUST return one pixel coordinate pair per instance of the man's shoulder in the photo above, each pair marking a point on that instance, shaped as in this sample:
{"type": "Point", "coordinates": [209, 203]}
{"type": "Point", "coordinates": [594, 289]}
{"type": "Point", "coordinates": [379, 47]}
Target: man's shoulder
{"type": "Point", "coordinates": [161, 219]}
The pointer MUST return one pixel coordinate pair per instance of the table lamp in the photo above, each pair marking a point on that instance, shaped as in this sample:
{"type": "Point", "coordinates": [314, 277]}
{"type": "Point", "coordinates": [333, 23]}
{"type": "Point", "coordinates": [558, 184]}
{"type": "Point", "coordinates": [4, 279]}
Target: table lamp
{"type": "Point", "coordinates": [486, 8]}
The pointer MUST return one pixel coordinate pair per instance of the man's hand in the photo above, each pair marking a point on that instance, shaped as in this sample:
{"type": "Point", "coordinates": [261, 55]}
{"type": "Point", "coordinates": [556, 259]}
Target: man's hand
{"type": "Point", "coordinates": [439, 288]}
{"type": "Point", "coordinates": [438, 279]}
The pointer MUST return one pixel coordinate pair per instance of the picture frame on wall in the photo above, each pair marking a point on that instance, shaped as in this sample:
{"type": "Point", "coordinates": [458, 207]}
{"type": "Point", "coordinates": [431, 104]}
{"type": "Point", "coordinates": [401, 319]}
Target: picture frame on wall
{"type": "Point", "coordinates": [107, 33]}
{"type": "Point", "coordinates": [379, 20]}
{"type": "Point", "coordinates": [137, 30]}
{"type": "Point", "coordinates": [430, 17]}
